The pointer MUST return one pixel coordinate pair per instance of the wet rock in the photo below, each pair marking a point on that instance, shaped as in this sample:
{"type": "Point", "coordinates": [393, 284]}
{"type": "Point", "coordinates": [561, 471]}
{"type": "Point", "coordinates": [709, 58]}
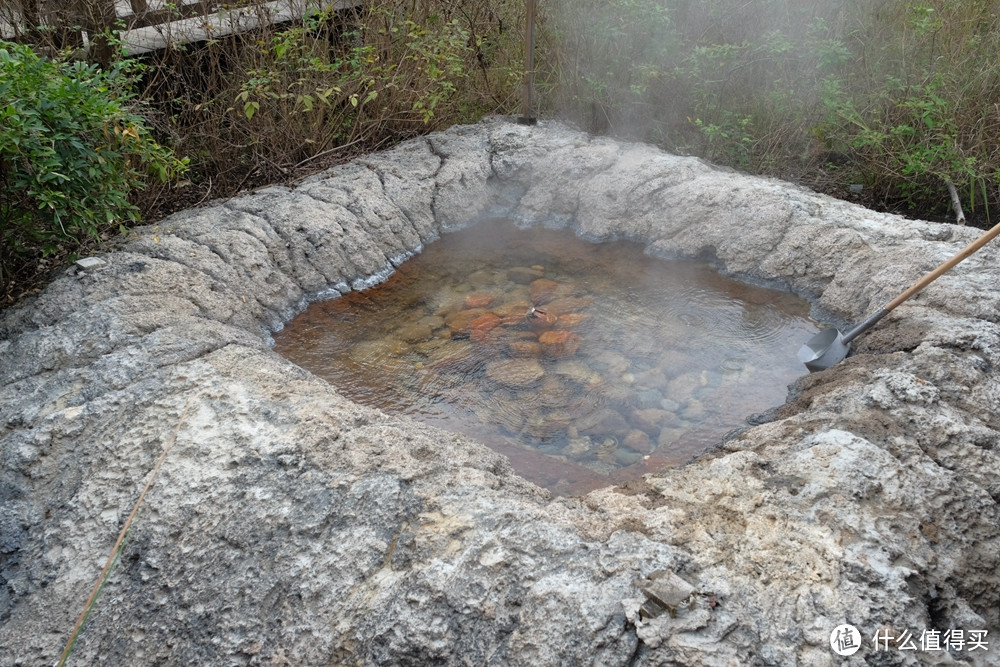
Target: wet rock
{"type": "Point", "coordinates": [606, 453]}
{"type": "Point", "coordinates": [559, 344]}
{"type": "Point", "coordinates": [670, 405]}
{"type": "Point", "coordinates": [653, 378]}
{"type": "Point", "coordinates": [566, 305]}
{"type": "Point", "coordinates": [578, 372]}
{"type": "Point", "coordinates": [504, 411]}
{"type": "Point", "coordinates": [603, 422]}
{"type": "Point", "coordinates": [484, 322]}
{"type": "Point", "coordinates": [620, 394]}
{"type": "Point", "coordinates": [414, 333]}
{"type": "Point", "coordinates": [485, 278]}
{"type": "Point", "coordinates": [543, 290]}
{"type": "Point", "coordinates": [612, 362]}
{"type": "Point", "coordinates": [374, 350]}
{"type": "Point", "coordinates": [486, 336]}
{"type": "Point", "coordinates": [668, 437]}
{"type": "Point", "coordinates": [675, 362]}
{"type": "Point", "coordinates": [577, 447]}
{"type": "Point", "coordinates": [694, 410]}
{"type": "Point", "coordinates": [683, 388]}
{"type": "Point", "coordinates": [651, 420]}
{"type": "Point", "coordinates": [638, 441]}
{"type": "Point", "coordinates": [428, 346]}
{"type": "Point", "coordinates": [570, 320]}
{"type": "Point", "coordinates": [626, 457]}
{"type": "Point", "coordinates": [540, 320]}
{"type": "Point", "coordinates": [559, 417]}
{"type": "Point", "coordinates": [555, 392]}
{"type": "Point", "coordinates": [515, 373]}
{"type": "Point", "coordinates": [513, 312]}
{"type": "Point", "coordinates": [541, 426]}
{"type": "Point", "coordinates": [528, 349]}
{"type": "Point", "coordinates": [455, 357]}
{"type": "Point", "coordinates": [524, 275]}
{"type": "Point", "coordinates": [461, 320]}
{"type": "Point", "coordinates": [649, 398]}
{"type": "Point", "coordinates": [433, 321]}
{"type": "Point", "coordinates": [478, 300]}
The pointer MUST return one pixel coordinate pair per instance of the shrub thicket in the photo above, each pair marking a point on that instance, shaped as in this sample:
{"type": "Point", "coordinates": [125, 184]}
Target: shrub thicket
{"type": "Point", "coordinates": [261, 106]}
{"type": "Point", "coordinates": [898, 96]}
{"type": "Point", "coordinates": [71, 150]}
{"type": "Point", "coordinates": [253, 107]}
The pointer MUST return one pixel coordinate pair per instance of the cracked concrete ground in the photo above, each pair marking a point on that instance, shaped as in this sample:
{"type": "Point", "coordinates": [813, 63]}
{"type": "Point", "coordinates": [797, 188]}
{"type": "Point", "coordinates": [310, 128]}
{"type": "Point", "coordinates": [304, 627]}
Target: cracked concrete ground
{"type": "Point", "coordinates": [291, 526]}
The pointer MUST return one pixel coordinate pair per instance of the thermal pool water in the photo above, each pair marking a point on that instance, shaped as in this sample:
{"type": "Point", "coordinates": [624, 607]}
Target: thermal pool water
{"type": "Point", "coordinates": [586, 364]}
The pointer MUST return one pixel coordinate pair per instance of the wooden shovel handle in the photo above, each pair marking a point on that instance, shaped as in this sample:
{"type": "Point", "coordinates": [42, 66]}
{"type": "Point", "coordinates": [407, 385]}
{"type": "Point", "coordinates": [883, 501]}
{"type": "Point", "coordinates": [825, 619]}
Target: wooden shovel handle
{"type": "Point", "coordinates": [944, 268]}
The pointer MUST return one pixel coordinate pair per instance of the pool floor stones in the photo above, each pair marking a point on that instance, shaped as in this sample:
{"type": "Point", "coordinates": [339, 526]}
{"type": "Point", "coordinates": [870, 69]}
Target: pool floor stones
{"type": "Point", "coordinates": [291, 526]}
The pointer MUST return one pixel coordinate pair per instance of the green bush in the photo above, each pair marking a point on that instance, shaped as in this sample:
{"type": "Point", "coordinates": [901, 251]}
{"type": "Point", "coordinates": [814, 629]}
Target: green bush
{"type": "Point", "coordinates": [71, 150]}
{"type": "Point", "coordinates": [900, 95]}
{"type": "Point", "coordinates": [273, 103]}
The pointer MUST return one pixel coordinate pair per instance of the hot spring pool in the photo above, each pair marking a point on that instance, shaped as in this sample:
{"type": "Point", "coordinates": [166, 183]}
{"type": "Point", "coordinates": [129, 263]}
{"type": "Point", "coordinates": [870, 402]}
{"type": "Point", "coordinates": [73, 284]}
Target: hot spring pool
{"type": "Point", "coordinates": [586, 364]}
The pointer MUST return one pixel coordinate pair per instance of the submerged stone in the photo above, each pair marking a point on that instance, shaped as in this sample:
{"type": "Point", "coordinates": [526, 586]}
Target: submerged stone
{"type": "Point", "coordinates": [515, 373]}
{"type": "Point", "coordinates": [523, 275]}
{"type": "Point", "coordinates": [559, 344]}
{"type": "Point", "coordinates": [543, 290]}
{"type": "Point", "coordinates": [479, 300]}
{"type": "Point", "coordinates": [462, 320]}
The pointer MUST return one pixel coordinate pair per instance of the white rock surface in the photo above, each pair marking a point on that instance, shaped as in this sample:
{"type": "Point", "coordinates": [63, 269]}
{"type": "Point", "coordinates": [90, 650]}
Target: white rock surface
{"type": "Point", "coordinates": [291, 526]}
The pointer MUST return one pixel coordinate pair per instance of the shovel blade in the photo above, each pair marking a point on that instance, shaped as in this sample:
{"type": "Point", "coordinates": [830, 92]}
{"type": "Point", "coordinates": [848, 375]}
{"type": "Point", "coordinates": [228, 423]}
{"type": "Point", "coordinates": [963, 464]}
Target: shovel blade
{"type": "Point", "coordinates": [825, 349]}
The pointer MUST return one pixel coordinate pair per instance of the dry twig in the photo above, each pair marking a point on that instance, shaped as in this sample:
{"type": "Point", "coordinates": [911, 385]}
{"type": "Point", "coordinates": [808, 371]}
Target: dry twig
{"type": "Point", "coordinates": [121, 538]}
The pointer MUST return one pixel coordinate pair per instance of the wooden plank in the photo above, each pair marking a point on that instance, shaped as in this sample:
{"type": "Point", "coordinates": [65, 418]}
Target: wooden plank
{"type": "Point", "coordinates": [164, 22]}
{"type": "Point", "coordinates": [223, 23]}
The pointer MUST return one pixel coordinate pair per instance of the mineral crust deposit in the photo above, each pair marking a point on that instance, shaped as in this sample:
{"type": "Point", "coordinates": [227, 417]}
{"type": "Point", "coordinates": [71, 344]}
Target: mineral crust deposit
{"type": "Point", "coordinates": [289, 526]}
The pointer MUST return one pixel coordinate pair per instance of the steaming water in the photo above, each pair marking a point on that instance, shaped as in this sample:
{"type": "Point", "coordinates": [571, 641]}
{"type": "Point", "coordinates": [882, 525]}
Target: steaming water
{"type": "Point", "coordinates": [627, 363]}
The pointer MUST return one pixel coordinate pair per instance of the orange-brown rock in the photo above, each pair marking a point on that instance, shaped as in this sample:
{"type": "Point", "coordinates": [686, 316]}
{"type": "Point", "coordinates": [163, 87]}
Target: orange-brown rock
{"type": "Point", "coordinates": [570, 320]}
{"type": "Point", "coordinates": [478, 300]}
{"type": "Point", "coordinates": [524, 349]}
{"type": "Point", "coordinates": [543, 290]}
{"type": "Point", "coordinates": [460, 320]}
{"type": "Point", "coordinates": [567, 304]}
{"type": "Point", "coordinates": [485, 322]}
{"type": "Point", "coordinates": [486, 336]}
{"type": "Point", "coordinates": [512, 311]}
{"type": "Point", "coordinates": [541, 319]}
{"type": "Point", "coordinates": [559, 344]}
